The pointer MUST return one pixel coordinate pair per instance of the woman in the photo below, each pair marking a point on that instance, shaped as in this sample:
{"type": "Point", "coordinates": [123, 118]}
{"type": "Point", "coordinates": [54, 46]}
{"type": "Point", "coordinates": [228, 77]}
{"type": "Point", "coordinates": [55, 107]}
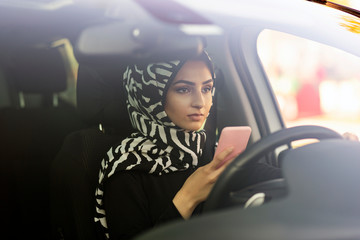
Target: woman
{"type": "Point", "coordinates": [154, 175]}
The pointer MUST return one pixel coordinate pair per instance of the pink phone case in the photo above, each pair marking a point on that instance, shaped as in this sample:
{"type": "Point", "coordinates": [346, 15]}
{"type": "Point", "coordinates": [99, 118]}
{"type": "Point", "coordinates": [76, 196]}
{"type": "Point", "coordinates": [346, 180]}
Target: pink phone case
{"type": "Point", "coordinates": [236, 136]}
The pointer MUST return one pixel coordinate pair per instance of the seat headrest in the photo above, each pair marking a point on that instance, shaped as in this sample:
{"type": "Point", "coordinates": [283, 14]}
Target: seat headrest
{"type": "Point", "coordinates": [42, 71]}
{"type": "Point", "coordinates": [101, 97]}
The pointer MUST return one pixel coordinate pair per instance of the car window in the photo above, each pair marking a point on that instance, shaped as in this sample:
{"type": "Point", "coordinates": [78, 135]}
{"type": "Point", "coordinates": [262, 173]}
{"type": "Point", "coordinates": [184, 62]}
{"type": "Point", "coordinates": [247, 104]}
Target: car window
{"type": "Point", "coordinates": [71, 66]}
{"type": "Point", "coordinates": [313, 83]}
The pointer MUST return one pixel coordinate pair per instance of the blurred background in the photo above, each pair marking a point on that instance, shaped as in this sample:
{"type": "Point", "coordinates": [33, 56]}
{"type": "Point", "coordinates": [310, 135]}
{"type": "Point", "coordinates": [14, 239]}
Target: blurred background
{"type": "Point", "coordinates": [314, 83]}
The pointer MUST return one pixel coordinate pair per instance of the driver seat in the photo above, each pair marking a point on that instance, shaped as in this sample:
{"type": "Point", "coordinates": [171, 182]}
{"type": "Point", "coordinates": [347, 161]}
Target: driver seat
{"type": "Point", "coordinates": [74, 173]}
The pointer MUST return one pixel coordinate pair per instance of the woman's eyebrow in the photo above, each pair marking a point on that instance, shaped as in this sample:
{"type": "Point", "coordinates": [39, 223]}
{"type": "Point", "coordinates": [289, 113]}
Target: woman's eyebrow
{"type": "Point", "coordinates": [185, 82]}
{"type": "Point", "coordinates": [208, 81]}
{"type": "Point", "coordinates": [192, 83]}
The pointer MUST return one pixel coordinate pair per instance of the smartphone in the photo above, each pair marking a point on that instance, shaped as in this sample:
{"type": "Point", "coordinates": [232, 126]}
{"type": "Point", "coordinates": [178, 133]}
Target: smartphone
{"type": "Point", "coordinates": [236, 136]}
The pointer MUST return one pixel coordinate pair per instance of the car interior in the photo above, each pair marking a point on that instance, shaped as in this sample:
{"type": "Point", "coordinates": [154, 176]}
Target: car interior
{"type": "Point", "coordinates": [34, 122]}
{"type": "Point", "coordinates": [56, 125]}
{"type": "Point", "coordinates": [52, 167]}
{"type": "Point", "coordinates": [53, 149]}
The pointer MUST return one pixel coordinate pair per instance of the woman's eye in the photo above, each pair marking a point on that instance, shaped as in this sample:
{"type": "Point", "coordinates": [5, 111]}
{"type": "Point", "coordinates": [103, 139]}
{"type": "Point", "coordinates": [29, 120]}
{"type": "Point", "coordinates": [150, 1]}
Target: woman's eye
{"type": "Point", "coordinates": [182, 90]}
{"type": "Point", "coordinates": [207, 89]}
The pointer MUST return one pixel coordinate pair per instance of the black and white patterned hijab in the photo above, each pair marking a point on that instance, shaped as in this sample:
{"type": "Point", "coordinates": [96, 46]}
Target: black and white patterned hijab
{"type": "Point", "coordinates": [159, 146]}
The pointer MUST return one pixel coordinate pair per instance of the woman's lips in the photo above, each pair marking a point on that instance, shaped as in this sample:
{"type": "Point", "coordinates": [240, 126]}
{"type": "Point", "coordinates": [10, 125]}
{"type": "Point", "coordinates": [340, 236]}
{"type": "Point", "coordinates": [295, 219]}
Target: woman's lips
{"type": "Point", "coordinates": [196, 117]}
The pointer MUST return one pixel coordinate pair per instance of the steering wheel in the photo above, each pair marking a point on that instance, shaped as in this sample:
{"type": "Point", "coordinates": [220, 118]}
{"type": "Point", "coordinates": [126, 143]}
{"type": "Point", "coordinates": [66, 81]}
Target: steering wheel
{"type": "Point", "coordinates": [231, 177]}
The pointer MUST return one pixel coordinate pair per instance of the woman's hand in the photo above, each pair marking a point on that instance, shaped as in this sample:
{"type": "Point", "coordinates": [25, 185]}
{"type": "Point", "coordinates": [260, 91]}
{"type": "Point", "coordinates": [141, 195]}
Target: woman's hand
{"type": "Point", "coordinates": [197, 187]}
{"type": "Point", "coordinates": [350, 136]}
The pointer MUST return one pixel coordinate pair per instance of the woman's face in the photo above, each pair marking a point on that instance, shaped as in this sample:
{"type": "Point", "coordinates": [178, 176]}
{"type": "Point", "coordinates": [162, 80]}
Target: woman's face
{"type": "Point", "coordinates": [189, 98]}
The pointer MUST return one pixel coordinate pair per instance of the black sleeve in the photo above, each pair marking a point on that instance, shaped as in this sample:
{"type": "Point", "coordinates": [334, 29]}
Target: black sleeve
{"type": "Point", "coordinates": [125, 206]}
{"type": "Point", "coordinates": [169, 213]}
{"type": "Point", "coordinates": [128, 208]}
{"type": "Point", "coordinates": [260, 172]}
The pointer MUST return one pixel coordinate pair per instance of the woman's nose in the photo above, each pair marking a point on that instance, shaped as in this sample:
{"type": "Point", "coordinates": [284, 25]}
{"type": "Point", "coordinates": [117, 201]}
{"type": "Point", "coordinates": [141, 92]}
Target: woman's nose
{"type": "Point", "coordinates": [198, 100]}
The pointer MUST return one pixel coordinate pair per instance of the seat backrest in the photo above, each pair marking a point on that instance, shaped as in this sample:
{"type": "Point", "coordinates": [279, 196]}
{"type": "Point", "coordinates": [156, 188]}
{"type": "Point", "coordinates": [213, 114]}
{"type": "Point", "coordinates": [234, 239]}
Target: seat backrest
{"type": "Point", "coordinates": [101, 98]}
{"type": "Point", "coordinates": [74, 178]}
{"type": "Point", "coordinates": [101, 101]}
{"type": "Point", "coordinates": [32, 130]}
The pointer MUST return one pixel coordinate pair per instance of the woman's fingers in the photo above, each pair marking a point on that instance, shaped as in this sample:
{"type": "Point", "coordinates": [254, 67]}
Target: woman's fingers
{"type": "Point", "coordinates": [219, 158]}
{"type": "Point", "coordinates": [215, 172]}
{"type": "Point", "coordinates": [350, 136]}
{"type": "Point", "coordinates": [222, 167]}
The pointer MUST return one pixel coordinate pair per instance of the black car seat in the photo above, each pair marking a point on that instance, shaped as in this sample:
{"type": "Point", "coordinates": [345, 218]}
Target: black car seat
{"type": "Point", "coordinates": [33, 125]}
{"type": "Point", "coordinates": [101, 102]}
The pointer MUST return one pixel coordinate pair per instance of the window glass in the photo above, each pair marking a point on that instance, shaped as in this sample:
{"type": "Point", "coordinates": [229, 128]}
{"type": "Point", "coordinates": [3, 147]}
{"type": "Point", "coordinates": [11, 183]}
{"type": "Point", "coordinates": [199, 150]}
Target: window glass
{"type": "Point", "coordinates": [313, 83]}
{"type": "Point", "coordinates": [71, 66]}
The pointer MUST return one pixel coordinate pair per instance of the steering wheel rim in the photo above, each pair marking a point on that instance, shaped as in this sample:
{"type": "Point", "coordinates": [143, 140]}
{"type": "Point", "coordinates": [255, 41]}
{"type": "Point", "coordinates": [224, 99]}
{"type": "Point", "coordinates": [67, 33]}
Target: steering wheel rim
{"type": "Point", "coordinates": [220, 191]}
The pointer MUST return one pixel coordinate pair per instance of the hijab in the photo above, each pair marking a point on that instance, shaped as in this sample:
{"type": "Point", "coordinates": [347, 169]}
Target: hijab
{"type": "Point", "coordinates": [158, 146]}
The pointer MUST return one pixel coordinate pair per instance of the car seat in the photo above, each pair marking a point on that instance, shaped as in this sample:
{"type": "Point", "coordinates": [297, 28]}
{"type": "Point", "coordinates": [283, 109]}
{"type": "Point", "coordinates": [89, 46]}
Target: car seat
{"type": "Point", "coordinates": [32, 127]}
{"type": "Point", "coordinates": [101, 102]}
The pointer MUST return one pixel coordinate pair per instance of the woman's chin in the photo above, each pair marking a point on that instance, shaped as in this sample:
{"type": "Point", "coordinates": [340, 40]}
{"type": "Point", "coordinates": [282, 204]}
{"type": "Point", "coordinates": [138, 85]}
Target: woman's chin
{"type": "Point", "coordinates": [193, 127]}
